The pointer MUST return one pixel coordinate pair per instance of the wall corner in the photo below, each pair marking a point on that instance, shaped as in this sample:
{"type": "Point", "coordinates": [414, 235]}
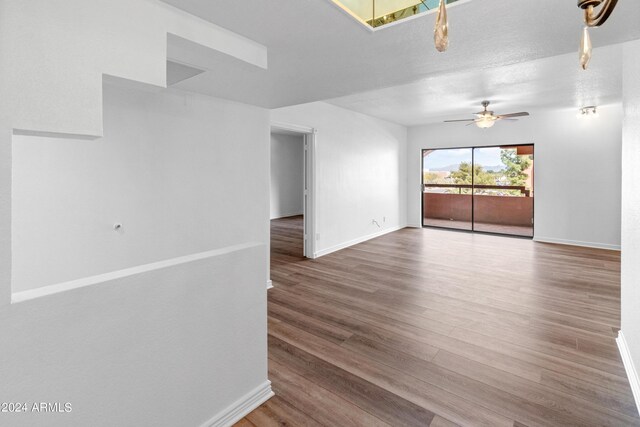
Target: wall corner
{"type": "Point", "coordinates": [5, 214]}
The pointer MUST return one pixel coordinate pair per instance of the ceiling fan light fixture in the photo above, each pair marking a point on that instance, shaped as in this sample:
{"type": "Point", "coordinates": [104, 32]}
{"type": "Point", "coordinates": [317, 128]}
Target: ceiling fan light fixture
{"type": "Point", "coordinates": [486, 122]}
{"type": "Point", "coordinates": [486, 119]}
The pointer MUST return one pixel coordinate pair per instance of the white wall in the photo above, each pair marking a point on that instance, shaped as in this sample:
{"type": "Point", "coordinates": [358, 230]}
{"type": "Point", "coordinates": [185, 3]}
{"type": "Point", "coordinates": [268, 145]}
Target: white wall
{"type": "Point", "coordinates": [360, 172]}
{"type": "Point", "coordinates": [577, 177]}
{"type": "Point", "coordinates": [191, 336]}
{"type": "Point", "coordinates": [287, 175]}
{"type": "Point", "coordinates": [163, 170]}
{"type": "Point", "coordinates": [54, 54]}
{"type": "Point", "coordinates": [631, 206]}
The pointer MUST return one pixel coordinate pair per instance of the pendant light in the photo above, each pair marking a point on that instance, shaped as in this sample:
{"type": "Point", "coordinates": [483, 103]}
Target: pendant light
{"type": "Point", "coordinates": [593, 19]}
{"type": "Point", "coordinates": [586, 49]}
{"type": "Point", "coordinates": [441, 32]}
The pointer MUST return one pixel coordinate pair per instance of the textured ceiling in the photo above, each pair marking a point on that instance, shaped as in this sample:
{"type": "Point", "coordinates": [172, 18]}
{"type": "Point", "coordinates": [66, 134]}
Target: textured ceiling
{"type": "Point", "coordinates": [316, 51]}
{"type": "Point", "coordinates": [550, 83]}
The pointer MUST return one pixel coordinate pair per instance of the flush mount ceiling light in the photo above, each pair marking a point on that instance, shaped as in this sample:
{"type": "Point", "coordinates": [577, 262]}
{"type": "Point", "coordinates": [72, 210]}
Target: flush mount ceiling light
{"type": "Point", "coordinates": [593, 18]}
{"type": "Point", "coordinates": [590, 111]}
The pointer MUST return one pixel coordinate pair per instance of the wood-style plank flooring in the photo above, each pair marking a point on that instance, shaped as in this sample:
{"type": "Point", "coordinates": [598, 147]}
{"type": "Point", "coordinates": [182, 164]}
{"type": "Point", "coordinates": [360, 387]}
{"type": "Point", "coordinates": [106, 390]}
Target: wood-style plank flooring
{"type": "Point", "coordinates": [441, 328]}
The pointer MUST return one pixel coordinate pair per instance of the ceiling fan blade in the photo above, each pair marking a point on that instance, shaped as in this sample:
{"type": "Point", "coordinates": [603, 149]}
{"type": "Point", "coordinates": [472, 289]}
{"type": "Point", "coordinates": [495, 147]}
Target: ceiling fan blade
{"type": "Point", "coordinates": [523, 114]}
{"type": "Point", "coordinates": [507, 119]}
{"type": "Point", "coordinates": [472, 123]}
{"type": "Point", "coordinates": [464, 120]}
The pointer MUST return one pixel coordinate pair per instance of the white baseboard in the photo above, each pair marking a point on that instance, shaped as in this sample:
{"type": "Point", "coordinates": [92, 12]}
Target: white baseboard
{"type": "Point", "coordinates": [269, 284]}
{"type": "Point", "coordinates": [344, 245]}
{"type": "Point", "coordinates": [577, 243]}
{"type": "Point", "coordinates": [242, 407]}
{"type": "Point", "coordinates": [632, 374]}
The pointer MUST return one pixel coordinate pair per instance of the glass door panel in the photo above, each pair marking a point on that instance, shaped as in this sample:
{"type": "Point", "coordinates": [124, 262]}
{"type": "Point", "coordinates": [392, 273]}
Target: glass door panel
{"type": "Point", "coordinates": [503, 190]}
{"type": "Point", "coordinates": [447, 188]}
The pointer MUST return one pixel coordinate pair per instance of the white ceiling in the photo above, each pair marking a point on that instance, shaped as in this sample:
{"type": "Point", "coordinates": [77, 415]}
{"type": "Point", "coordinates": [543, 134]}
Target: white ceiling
{"type": "Point", "coordinates": [316, 51]}
{"type": "Point", "coordinates": [544, 84]}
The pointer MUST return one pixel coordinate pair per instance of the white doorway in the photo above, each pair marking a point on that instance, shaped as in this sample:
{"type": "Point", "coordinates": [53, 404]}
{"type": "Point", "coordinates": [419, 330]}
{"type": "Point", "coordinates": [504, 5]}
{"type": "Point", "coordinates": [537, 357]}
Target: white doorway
{"type": "Point", "coordinates": [292, 170]}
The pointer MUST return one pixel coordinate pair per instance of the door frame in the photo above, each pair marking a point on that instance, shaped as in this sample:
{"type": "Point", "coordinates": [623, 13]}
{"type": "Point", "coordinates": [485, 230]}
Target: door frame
{"type": "Point", "coordinates": [473, 230]}
{"type": "Point", "coordinates": [309, 135]}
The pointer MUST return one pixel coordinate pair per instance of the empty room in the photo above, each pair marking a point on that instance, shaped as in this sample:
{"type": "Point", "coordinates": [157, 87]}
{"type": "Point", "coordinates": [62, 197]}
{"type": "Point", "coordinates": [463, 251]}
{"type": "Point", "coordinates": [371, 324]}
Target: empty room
{"type": "Point", "coordinates": [319, 213]}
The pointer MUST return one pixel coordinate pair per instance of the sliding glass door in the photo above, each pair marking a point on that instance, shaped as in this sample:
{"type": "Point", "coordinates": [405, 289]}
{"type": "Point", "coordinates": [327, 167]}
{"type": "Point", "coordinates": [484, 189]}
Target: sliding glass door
{"type": "Point", "coordinates": [486, 189]}
{"type": "Point", "coordinates": [503, 190]}
{"type": "Point", "coordinates": [447, 194]}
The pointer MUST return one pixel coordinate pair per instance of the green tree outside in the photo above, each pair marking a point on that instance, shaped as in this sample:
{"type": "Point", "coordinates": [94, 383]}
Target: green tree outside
{"type": "Point", "coordinates": [481, 177]}
{"type": "Point", "coordinates": [516, 167]}
{"type": "Point", "coordinates": [513, 174]}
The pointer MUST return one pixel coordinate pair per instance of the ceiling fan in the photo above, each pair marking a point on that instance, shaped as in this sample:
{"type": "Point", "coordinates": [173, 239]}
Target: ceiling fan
{"type": "Point", "coordinates": [486, 119]}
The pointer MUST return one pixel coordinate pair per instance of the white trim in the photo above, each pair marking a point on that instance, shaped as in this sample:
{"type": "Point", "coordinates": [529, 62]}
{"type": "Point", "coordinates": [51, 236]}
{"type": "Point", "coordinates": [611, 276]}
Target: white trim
{"type": "Point", "coordinates": [291, 128]}
{"type": "Point", "coordinates": [310, 138]}
{"type": "Point", "coordinates": [632, 374]}
{"type": "Point", "coordinates": [242, 407]}
{"type": "Point", "coordinates": [269, 284]}
{"type": "Point", "coordinates": [577, 243]}
{"type": "Point", "coordinates": [114, 275]}
{"type": "Point", "coordinates": [344, 245]}
{"type": "Point", "coordinates": [311, 190]}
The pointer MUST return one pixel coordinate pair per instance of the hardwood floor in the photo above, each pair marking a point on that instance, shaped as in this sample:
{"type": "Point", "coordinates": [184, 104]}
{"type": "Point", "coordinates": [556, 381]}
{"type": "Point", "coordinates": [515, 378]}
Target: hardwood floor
{"type": "Point", "coordinates": [439, 328]}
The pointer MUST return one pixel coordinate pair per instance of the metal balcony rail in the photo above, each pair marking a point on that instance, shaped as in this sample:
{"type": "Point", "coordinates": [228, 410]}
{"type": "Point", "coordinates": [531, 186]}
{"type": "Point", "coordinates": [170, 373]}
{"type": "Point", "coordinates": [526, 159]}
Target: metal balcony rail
{"type": "Point", "coordinates": [521, 188]}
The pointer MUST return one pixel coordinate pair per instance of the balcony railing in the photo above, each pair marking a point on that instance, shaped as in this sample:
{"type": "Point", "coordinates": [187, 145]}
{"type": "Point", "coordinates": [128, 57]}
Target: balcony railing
{"type": "Point", "coordinates": [523, 190]}
{"type": "Point", "coordinates": [511, 210]}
